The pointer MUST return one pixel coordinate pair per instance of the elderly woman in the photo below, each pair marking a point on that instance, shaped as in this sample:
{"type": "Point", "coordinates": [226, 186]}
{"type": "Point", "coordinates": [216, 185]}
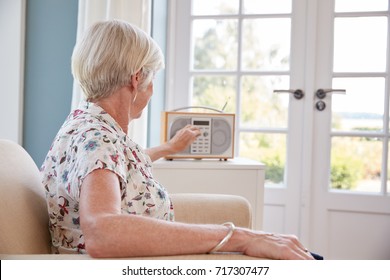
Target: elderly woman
{"type": "Point", "coordinates": [102, 198]}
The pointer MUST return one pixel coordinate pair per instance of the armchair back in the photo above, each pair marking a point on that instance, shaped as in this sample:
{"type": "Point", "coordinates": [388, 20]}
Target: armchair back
{"type": "Point", "coordinates": [23, 212]}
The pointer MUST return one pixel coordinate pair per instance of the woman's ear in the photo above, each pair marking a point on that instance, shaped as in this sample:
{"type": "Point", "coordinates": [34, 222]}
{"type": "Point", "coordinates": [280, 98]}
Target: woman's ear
{"type": "Point", "coordinates": [134, 81]}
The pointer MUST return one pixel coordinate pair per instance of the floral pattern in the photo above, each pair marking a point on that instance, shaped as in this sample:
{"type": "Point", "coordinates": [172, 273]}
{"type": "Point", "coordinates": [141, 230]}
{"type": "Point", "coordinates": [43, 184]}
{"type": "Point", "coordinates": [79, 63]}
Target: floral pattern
{"type": "Point", "coordinates": [91, 139]}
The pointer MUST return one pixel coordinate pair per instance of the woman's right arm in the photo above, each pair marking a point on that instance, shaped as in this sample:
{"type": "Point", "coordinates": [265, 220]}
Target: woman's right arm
{"type": "Point", "coordinates": [182, 139]}
{"type": "Point", "coordinates": [109, 233]}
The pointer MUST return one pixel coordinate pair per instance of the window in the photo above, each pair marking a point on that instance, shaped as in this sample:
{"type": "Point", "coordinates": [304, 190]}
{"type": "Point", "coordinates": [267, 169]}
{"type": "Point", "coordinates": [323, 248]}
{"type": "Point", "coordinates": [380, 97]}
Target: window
{"type": "Point", "coordinates": [238, 53]}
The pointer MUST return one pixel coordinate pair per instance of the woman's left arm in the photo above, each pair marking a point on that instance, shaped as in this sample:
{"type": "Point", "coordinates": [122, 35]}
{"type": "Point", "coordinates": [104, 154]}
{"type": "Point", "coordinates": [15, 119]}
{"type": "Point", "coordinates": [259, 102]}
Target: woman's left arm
{"type": "Point", "coordinates": [182, 139]}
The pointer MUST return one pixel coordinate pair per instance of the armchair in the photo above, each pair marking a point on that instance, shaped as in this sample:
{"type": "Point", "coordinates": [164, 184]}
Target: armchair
{"type": "Point", "coordinates": [24, 220]}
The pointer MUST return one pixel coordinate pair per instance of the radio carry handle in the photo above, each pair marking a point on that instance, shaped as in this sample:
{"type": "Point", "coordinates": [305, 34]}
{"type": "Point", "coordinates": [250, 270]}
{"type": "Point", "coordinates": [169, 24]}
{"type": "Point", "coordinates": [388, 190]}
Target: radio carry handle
{"type": "Point", "coordinates": [197, 107]}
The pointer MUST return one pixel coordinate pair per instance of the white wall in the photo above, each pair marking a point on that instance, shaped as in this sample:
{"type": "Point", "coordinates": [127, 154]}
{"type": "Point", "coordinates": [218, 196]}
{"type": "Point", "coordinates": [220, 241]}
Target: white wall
{"type": "Point", "coordinates": [12, 26]}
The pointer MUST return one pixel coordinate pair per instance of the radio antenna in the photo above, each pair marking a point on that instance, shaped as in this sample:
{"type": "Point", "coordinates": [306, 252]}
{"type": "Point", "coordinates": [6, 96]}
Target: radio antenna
{"type": "Point", "coordinates": [226, 103]}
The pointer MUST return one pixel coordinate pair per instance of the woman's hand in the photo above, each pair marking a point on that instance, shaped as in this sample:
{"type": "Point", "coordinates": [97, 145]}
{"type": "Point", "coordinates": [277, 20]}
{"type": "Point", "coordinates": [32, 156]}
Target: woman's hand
{"type": "Point", "coordinates": [183, 138]}
{"type": "Point", "coordinates": [276, 246]}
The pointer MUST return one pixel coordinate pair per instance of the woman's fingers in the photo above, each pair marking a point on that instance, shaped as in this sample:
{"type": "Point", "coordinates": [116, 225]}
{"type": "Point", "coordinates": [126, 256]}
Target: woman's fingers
{"type": "Point", "coordinates": [278, 246]}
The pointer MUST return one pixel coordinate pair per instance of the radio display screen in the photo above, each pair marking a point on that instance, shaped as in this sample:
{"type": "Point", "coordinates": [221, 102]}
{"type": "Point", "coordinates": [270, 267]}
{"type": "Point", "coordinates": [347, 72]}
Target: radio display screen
{"type": "Point", "coordinates": [201, 122]}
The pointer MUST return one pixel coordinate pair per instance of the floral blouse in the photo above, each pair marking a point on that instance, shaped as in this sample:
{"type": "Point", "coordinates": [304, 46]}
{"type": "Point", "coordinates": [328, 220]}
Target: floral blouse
{"type": "Point", "coordinates": [91, 139]}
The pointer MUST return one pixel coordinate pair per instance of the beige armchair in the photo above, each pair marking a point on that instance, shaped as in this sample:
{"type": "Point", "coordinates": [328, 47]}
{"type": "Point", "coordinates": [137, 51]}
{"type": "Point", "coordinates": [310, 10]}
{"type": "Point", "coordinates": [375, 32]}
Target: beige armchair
{"type": "Point", "coordinates": [24, 220]}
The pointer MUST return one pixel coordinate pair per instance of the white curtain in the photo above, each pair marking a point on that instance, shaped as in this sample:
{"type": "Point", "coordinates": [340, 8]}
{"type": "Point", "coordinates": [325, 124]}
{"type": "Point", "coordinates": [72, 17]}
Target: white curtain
{"type": "Point", "coordinates": [137, 12]}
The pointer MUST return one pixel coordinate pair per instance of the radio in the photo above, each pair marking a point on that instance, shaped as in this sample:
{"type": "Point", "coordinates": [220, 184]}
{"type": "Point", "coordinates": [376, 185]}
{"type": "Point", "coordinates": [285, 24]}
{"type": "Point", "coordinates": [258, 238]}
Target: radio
{"type": "Point", "coordinates": [217, 134]}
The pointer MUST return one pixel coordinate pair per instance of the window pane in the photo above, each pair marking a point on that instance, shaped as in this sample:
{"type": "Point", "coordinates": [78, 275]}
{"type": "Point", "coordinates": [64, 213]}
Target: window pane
{"type": "Point", "coordinates": [215, 7]}
{"type": "Point", "coordinates": [362, 107]}
{"type": "Point", "coordinates": [360, 44]}
{"type": "Point", "coordinates": [215, 44]}
{"type": "Point", "coordinates": [360, 5]}
{"type": "Point", "coordinates": [266, 44]}
{"type": "Point", "coordinates": [260, 106]}
{"type": "Point", "coordinates": [214, 91]}
{"type": "Point", "coordinates": [269, 149]}
{"type": "Point", "coordinates": [356, 164]}
{"type": "Point", "coordinates": [267, 6]}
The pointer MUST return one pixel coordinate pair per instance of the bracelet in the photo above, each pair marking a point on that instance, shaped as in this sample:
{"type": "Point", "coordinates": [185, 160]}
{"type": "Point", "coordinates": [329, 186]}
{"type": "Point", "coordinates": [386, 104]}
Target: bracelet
{"type": "Point", "coordinates": [231, 227]}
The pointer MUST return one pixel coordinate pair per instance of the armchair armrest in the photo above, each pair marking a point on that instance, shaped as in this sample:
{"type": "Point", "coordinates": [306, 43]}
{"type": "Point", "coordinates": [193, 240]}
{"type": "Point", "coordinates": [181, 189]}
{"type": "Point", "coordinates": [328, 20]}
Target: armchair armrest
{"type": "Point", "coordinates": [189, 208]}
{"type": "Point", "coordinates": [212, 209]}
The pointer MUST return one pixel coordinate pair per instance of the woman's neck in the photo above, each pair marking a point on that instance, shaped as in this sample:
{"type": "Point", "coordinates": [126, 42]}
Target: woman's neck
{"type": "Point", "coordinates": [117, 105]}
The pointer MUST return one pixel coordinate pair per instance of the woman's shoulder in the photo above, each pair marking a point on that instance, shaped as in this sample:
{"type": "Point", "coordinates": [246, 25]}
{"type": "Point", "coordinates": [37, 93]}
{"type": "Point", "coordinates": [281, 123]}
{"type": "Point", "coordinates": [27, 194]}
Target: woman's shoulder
{"type": "Point", "coordinates": [85, 123]}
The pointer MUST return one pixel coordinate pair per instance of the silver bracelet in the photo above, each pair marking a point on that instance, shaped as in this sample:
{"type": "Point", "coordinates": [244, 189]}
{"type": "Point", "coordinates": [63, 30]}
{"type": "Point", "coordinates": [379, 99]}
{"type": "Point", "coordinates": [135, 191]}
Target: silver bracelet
{"type": "Point", "coordinates": [231, 227]}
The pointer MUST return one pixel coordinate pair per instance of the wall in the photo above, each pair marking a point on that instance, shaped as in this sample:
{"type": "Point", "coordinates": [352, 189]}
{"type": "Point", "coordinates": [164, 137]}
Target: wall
{"type": "Point", "coordinates": [51, 27]}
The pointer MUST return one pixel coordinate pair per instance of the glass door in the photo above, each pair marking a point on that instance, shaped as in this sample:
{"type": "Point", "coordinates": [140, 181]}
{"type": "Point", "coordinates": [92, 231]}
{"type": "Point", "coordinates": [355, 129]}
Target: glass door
{"type": "Point", "coordinates": [350, 203]}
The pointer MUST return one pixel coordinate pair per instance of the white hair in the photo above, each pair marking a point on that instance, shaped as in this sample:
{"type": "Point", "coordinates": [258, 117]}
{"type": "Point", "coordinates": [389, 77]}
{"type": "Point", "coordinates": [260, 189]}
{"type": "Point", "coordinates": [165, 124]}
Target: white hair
{"type": "Point", "coordinates": [109, 53]}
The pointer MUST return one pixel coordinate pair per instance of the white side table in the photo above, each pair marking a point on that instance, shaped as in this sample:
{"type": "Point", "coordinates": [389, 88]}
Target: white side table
{"type": "Point", "coordinates": [238, 176]}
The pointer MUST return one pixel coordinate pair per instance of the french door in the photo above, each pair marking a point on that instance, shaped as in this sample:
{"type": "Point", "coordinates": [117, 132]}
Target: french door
{"type": "Point", "coordinates": [350, 203]}
{"type": "Point", "coordinates": [309, 83]}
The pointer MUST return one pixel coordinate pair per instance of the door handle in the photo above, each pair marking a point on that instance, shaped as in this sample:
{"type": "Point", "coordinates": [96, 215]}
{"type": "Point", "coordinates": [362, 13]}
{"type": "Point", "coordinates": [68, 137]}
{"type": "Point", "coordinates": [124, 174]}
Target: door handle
{"type": "Point", "coordinates": [321, 93]}
{"type": "Point", "coordinates": [298, 93]}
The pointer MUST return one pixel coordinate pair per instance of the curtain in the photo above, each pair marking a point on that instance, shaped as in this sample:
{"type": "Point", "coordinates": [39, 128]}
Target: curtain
{"type": "Point", "coordinates": [137, 12]}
